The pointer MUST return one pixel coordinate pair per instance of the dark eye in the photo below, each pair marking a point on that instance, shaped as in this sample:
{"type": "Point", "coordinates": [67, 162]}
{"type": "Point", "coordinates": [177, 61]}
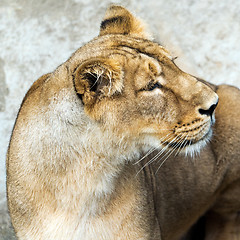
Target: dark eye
{"type": "Point", "coordinates": [152, 86]}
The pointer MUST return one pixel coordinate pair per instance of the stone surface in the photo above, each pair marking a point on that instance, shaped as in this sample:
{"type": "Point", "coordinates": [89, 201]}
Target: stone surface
{"type": "Point", "coordinates": [6, 230]}
{"type": "Point", "coordinates": [37, 36]}
{"type": "Point", "coordinates": [3, 86]}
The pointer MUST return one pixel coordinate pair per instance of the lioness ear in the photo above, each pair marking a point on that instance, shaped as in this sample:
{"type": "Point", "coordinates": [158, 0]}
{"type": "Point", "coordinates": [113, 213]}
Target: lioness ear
{"type": "Point", "coordinates": [119, 20]}
{"type": "Point", "coordinates": [97, 78]}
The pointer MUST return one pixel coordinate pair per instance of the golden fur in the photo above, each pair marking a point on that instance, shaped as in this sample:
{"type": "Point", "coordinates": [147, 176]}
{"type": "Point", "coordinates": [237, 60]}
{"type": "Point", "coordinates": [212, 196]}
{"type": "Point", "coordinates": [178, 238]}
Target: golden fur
{"type": "Point", "coordinates": [79, 131]}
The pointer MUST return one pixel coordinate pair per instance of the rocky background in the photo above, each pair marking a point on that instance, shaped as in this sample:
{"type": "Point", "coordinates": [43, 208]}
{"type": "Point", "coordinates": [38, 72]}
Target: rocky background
{"type": "Point", "coordinates": [36, 36]}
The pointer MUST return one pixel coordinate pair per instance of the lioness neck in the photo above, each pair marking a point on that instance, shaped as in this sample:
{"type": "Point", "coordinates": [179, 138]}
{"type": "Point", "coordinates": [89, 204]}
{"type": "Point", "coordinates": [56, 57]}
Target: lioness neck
{"type": "Point", "coordinates": [86, 159]}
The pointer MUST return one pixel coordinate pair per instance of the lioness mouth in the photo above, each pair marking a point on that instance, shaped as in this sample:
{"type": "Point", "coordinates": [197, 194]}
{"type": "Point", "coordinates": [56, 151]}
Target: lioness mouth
{"type": "Point", "coordinates": [184, 143]}
{"type": "Point", "coordinates": [181, 145]}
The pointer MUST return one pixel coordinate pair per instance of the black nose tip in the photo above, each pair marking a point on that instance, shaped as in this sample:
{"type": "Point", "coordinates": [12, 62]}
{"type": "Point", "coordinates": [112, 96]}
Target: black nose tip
{"type": "Point", "coordinates": [209, 111]}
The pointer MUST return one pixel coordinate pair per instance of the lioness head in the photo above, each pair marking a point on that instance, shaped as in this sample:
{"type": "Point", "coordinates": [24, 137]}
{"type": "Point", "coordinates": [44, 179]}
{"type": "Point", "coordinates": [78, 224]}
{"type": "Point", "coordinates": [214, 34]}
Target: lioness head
{"type": "Point", "coordinates": [131, 87]}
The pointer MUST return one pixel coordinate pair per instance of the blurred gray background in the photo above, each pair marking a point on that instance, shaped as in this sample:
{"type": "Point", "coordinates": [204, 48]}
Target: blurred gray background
{"type": "Point", "coordinates": [36, 36]}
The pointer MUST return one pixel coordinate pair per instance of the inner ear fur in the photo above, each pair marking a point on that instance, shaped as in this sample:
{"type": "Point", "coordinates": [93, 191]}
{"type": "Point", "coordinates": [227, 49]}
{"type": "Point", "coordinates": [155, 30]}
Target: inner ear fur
{"type": "Point", "coordinates": [119, 20]}
{"type": "Point", "coordinates": [97, 78]}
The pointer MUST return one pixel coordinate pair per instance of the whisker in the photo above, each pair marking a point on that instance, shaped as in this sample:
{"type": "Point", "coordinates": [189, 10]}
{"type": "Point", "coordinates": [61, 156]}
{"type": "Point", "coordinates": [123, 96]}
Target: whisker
{"type": "Point", "coordinates": [154, 158]}
{"type": "Point", "coordinates": [165, 140]}
{"type": "Point", "coordinates": [178, 146]}
{"type": "Point", "coordinates": [175, 138]}
{"type": "Point", "coordinates": [152, 150]}
{"type": "Point", "coordinates": [182, 142]}
{"type": "Point", "coordinates": [171, 152]}
{"type": "Point", "coordinates": [148, 153]}
{"type": "Point", "coordinates": [186, 143]}
{"type": "Point", "coordinates": [151, 161]}
{"type": "Point", "coordinates": [158, 154]}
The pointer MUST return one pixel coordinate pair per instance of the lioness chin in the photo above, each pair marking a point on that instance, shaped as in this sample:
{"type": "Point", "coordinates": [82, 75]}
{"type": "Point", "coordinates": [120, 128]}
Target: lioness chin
{"type": "Point", "coordinates": [70, 171]}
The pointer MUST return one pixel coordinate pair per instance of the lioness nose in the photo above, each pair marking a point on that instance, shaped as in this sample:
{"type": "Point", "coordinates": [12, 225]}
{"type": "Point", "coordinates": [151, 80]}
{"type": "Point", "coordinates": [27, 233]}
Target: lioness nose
{"type": "Point", "coordinates": [209, 111]}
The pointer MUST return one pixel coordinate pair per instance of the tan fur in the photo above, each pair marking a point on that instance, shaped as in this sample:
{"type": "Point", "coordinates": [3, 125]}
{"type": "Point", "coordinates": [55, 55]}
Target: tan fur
{"type": "Point", "coordinates": [70, 171]}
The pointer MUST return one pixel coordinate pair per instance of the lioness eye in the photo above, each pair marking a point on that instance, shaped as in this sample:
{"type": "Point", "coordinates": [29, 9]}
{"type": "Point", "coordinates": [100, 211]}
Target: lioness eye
{"type": "Point", "coordinates": [151, 87]}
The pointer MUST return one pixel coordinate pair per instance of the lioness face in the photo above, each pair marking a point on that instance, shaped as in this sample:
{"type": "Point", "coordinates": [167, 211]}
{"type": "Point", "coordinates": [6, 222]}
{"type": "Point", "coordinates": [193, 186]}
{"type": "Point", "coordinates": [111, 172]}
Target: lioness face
{"type": "Point", "coordinates": [133, 89]}
{"type": "Point", "coordinates": [143, 96]}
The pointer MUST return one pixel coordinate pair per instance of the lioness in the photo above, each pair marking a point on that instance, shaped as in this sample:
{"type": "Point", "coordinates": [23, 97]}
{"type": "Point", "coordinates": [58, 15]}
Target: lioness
{"type": "Point", "coordinates": [72, 169]}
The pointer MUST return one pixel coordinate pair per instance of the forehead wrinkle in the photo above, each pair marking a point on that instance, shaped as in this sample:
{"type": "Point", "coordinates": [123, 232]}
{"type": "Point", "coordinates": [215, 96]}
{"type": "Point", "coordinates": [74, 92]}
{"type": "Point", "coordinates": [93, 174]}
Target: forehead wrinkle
{"type": "Point", "coordinates": [155, 56]}
{"type": "Point", "coordinates": [144, 46]}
